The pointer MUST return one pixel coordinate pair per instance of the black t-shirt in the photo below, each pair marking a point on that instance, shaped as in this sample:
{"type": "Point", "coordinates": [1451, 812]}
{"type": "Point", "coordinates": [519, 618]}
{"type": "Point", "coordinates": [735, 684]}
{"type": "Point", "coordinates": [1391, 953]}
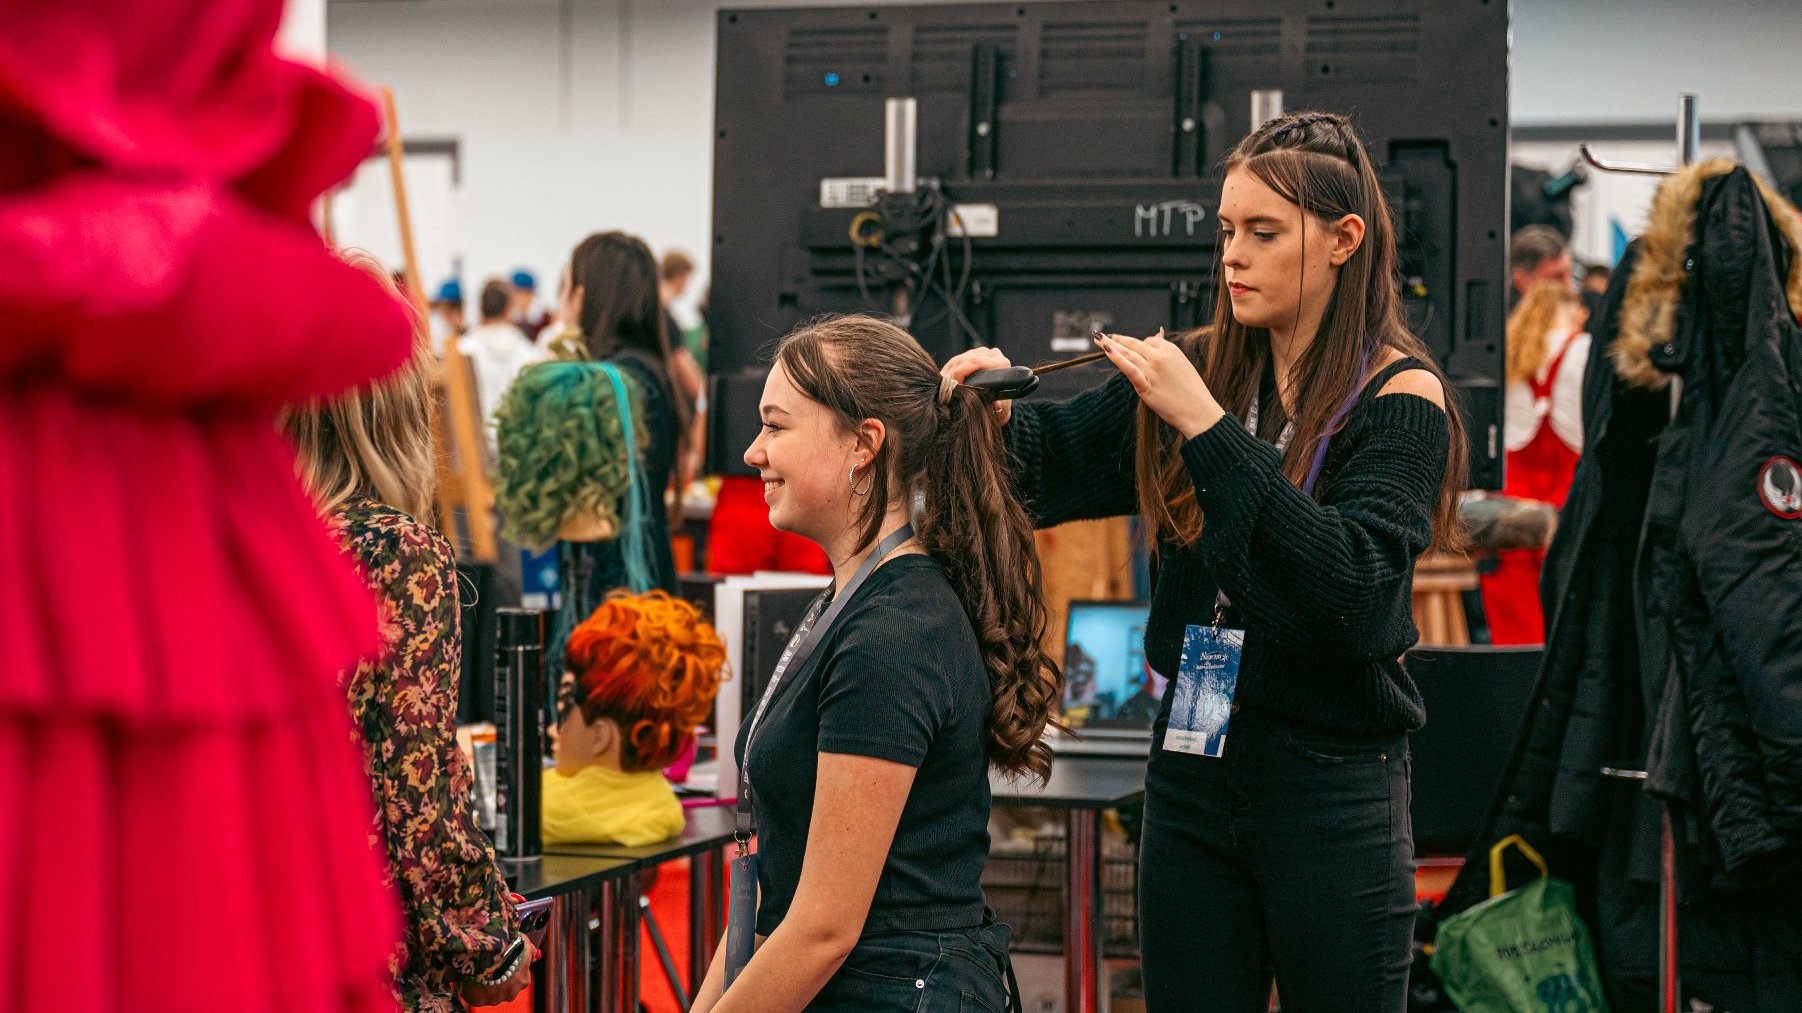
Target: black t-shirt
{"type": "Point", "coordinates": [899, 677]}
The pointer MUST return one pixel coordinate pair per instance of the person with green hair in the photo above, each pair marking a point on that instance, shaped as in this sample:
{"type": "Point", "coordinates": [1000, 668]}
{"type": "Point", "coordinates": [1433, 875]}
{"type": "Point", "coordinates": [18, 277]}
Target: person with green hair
{"type": "Point", "coordinates": [570, 472]}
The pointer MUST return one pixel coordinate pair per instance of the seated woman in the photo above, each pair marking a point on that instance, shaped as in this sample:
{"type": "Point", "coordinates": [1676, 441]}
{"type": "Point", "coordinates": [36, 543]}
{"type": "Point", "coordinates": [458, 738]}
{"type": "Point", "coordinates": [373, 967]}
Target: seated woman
{"type": "Point", "coordinates": [642, 673]}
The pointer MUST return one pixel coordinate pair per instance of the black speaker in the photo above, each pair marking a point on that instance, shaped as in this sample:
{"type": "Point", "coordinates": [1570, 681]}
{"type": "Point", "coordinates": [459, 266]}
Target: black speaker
{"type": "Point", "coordinates": [1476, 700]}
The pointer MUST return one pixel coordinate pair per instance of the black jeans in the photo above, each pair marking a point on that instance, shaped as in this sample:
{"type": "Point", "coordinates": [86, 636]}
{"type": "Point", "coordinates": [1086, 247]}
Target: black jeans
{"type": "Point", "coordinates": [1293, 855]}
{"type": "Point", "coordinates": [960, 971]}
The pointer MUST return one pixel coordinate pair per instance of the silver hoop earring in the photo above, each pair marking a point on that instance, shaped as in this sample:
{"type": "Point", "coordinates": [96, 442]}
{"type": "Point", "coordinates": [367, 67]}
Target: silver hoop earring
{"type": "Point", "coordinates": [865, 491]}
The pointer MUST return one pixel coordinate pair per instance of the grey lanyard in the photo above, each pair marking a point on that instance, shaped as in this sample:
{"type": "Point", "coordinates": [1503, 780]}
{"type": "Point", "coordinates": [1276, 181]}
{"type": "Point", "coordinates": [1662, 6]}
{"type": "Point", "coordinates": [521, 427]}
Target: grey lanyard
{"type": "Point", "coordinates": [806, 638]}
{"type": "Point", "coordinates": [1251, 425]}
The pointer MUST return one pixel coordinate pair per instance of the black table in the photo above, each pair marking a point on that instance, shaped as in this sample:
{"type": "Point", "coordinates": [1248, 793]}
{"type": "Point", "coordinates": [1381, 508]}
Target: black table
{"type": "Point", "coordinates": [1082, 786]}
{"type": "Point", "coordinates": [561, 980]}
{"type": "Point", "coordinates": [556, 875]}
{"type": "Point", "coordinates": [705, 834]}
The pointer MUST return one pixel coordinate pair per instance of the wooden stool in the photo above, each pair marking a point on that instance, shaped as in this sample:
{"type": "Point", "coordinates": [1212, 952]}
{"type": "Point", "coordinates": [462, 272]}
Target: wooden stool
{"type": "Point", "coordinates": [1439, 582]}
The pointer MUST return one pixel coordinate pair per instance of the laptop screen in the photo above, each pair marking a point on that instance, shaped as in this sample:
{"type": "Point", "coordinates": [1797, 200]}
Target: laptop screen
{"type": "Point", "coordinates": [1106, 681]}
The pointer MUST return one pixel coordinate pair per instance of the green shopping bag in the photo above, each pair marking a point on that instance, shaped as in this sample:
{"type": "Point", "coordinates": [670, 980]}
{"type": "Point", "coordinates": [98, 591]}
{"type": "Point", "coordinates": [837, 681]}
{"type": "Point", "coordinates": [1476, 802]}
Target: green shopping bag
{"type": "Point", "coordinates": [1523, 951]}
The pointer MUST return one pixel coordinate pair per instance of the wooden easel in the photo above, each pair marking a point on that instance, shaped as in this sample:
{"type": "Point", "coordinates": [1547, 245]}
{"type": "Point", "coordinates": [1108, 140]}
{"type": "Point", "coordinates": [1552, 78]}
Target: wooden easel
{"type": "Point", "coordinates": [462, 453]}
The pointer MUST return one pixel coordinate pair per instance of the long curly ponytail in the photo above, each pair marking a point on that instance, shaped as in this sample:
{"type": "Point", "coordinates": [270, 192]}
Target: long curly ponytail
{"type": "Point", "coordinates": [945, 449]}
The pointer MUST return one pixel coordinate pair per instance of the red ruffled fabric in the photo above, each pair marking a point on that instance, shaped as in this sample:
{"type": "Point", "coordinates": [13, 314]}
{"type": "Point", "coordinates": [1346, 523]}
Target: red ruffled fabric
{"type": "Point", "coordinates": [186, 817]}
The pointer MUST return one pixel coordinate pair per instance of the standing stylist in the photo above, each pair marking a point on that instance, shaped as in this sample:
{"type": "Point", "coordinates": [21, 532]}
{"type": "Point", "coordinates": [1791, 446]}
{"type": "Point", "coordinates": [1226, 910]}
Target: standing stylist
{"type": "Point", "coordinates": [1293, 460]}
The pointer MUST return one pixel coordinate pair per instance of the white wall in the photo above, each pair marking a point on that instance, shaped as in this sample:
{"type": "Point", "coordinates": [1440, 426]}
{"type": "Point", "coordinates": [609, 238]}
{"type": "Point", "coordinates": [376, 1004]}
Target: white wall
{"type": "Point", "coordinates": [627, 144]}
{"type": "Point", "coordinates": [301, 35]}
{"type": "Point", "coordinates": [1612, 61]}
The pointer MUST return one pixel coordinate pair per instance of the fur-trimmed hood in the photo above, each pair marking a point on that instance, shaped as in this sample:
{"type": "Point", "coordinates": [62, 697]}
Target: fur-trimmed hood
{"type": "Point", "coordinates": [1649, 308]}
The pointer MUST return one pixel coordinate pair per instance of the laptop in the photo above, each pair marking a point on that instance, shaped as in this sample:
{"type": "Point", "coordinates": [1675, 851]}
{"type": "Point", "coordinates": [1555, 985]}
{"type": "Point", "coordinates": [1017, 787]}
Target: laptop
{"type": "Point", "coordinates": [1111, 697]}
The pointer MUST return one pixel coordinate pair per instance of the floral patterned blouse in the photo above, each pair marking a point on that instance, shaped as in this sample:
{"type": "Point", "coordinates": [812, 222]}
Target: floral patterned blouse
{"type": "Point", "coordinates": [458, 912]}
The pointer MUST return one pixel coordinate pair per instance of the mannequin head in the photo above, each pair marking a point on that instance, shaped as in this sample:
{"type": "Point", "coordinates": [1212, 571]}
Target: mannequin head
{"type": "Point", "coordinates": [562, 469]}
{"type": "Point", "coordinates": [642, 673]}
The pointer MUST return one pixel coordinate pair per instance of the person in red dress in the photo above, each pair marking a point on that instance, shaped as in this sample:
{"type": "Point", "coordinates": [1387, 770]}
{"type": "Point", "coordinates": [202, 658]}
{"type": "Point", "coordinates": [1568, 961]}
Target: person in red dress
{"type": "Point", "coordinates": [186, 817]}
{"type": "Point", "coordinates": [1548, 353]}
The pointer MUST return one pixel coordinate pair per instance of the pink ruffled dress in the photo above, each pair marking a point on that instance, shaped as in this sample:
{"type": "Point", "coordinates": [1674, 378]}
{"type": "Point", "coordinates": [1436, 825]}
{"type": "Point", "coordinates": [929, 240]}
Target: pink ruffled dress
{"type": "Point", "coordinates": [183, 815]}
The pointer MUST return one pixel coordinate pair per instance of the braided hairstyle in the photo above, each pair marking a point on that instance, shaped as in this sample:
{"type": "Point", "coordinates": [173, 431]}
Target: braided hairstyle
{"type": "Point", "coordinates": [1315, 161]}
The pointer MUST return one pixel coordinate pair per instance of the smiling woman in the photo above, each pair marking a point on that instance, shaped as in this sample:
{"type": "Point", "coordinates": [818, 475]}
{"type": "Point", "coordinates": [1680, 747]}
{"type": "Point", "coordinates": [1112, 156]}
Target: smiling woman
{"type": "Point", "coordinates": [866, 766]}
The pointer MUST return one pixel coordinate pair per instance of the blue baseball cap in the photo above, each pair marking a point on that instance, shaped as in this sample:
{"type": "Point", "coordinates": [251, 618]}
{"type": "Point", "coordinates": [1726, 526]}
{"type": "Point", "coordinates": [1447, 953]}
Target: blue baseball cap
{"type": "Point", "coordinates": [522, 279]}
{"type": "Point", "coordinates": [450, 291]}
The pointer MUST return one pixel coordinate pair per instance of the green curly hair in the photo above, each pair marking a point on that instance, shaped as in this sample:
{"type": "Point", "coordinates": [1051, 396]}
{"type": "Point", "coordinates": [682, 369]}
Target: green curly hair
{"type": "Point", "coordinates": [562, 449]}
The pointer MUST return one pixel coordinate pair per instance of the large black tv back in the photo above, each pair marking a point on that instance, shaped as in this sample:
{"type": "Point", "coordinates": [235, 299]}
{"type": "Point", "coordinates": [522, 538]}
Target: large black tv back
{"type": "Point", "coordinates": [1083, 140]}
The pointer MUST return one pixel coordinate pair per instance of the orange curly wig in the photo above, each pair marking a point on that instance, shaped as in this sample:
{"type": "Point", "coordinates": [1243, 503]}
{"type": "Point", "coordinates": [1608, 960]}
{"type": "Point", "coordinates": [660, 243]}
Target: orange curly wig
{"type": "Point", "coordinates": [650, 664]}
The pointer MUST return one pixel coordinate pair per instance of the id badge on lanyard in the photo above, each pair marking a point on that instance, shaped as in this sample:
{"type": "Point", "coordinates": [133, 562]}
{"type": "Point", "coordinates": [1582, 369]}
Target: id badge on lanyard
{"type": "Point", "coordinates": [1201, 705]}
{"type": "Point", "coordinates": [1207, 677]}
{"type": "Point", "coordinates": [741, 910]}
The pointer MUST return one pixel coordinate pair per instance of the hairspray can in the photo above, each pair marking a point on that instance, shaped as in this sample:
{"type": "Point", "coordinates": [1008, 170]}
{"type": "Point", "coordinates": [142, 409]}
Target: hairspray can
{"type": "Point", "coordinates": [519, 722]}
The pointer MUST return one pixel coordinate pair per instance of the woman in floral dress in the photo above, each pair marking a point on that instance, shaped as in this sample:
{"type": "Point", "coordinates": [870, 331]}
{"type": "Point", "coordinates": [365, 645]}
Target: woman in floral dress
{"type": "Point", "coordinates": [367, 460]}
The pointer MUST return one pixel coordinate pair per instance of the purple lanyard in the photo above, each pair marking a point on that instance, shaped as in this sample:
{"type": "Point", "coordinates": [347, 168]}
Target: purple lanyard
{"type": "Point", "coordinates": [1282, 446]}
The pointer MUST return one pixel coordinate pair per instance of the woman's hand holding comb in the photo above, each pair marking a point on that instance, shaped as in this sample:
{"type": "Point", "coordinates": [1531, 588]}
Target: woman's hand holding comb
{"type": "Point", "coordinates": [961, 365]}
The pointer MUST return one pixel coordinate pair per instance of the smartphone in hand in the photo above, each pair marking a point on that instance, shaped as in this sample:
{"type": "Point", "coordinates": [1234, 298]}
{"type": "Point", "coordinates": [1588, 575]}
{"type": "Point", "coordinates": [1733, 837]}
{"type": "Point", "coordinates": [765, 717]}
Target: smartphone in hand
{"type": "Point", "coordinates": [534, 919]}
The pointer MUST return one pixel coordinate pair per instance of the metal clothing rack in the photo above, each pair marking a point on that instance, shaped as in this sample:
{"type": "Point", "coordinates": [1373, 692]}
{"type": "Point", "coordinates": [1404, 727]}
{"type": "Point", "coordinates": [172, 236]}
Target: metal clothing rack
{"type": "Point", "coordinates": [1689, 141]}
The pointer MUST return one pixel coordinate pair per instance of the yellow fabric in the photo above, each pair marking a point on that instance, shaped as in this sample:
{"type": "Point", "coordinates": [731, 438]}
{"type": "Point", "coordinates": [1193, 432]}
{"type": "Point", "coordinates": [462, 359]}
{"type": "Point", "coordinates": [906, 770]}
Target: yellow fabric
{"type": "Point", "coordinates": [604, 806]}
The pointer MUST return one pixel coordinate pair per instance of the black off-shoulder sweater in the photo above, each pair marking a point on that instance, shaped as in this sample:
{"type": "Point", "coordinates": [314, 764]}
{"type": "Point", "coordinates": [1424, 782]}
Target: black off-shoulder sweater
{"type": "Point", "coordinates": [1323, 589]}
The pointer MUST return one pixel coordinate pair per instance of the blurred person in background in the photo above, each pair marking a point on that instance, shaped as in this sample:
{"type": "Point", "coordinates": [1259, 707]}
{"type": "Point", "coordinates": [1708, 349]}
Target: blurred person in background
{"type": "Point", "coordinates": [673, 277]}
{"type": "Point", "coordinates": [1596, 278]}
{"type": "Point", "coordinates": [497, 351]}
{"type": "Point", "coordinates": [610, 312]}
{"type": "Point", "coordinates": [523, 308]}
{"type": "Point", "coordinates": [674, 274]}
{"type": "Point", "coordinates": [1548, 355]}
{"type": "Point", "coordinates": [1537, 253]}
{"type": "Point", "coordinates": [447, 314]}
{"type": "Point", "coordinates": [1594, 288]}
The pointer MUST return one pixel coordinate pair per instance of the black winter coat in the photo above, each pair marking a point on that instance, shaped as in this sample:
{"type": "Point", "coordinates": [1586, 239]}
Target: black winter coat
{"type": "Point", "coordinates": [1721, 586]}
{"type": "Point", "coordinates": [1673, 592]}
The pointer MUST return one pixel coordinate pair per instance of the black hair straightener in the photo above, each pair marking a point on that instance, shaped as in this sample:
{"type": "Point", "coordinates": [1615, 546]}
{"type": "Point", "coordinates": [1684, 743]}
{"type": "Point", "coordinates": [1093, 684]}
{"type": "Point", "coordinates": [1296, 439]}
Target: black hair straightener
{"type": "Point", "coordinates": [1016, 382]}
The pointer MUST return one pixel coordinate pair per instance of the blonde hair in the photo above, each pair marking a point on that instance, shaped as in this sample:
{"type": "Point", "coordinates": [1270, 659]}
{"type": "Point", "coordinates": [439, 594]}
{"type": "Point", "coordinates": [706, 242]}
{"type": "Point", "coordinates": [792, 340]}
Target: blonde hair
{"type": "Point", "coordinates": [1531, 324]}
{"type": "Point", "coordinates": [376, 440]}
